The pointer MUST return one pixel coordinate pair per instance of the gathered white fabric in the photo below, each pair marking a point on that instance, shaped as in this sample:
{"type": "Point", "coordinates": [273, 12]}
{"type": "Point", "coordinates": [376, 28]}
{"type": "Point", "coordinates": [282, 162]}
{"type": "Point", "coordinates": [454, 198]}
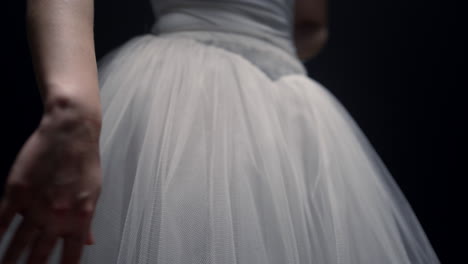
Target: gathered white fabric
{"type": "Point", "coordinates": [208, 160]}
{"type": "Point", "coordinates": [269, 20]}
{"type": "Point", "coordinates": [273, 61]}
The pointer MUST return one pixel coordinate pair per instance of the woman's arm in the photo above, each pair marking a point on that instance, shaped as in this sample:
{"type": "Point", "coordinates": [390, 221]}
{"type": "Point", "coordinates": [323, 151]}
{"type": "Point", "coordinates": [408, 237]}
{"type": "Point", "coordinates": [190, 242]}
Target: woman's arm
{"type": "Point", "coordinates": [56, 178]}
{"type": "Point", "coordinates": [60, 34]}
{"type": "Point", "coordinates": [310, 27]}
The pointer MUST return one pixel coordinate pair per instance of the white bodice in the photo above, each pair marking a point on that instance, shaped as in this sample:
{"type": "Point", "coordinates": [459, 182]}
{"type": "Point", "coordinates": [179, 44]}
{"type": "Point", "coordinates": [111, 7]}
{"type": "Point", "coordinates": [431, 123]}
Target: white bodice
{"type": "Point", "coordinates": [270, 20]}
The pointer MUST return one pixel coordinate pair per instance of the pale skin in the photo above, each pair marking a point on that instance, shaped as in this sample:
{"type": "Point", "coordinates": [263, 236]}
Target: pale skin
{"type": "Point", "coordinates": [55, 181]}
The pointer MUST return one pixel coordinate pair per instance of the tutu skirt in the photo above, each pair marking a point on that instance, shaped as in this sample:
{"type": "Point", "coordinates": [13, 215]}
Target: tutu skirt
{"type": "Point", "coordinates": [208, 160]}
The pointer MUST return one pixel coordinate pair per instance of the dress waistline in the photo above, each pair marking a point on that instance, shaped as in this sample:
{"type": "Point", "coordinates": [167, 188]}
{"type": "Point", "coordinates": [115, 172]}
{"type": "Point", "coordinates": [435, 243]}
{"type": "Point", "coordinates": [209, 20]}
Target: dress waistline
{"type": "Point", "coordinates": [272, 60]}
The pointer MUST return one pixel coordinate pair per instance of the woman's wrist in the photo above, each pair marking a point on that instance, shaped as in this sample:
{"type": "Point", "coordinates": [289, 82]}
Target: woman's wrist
{"type": "Point", "coordinates": [63, 114]}
{"type": "Point", "coordinates": [71, 101]}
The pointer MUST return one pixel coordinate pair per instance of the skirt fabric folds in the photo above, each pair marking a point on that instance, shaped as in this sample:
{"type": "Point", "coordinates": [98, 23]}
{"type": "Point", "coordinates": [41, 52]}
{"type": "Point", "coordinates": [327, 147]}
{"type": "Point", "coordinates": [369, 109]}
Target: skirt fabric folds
{"type": "Point", "coordinates": [208, 160]}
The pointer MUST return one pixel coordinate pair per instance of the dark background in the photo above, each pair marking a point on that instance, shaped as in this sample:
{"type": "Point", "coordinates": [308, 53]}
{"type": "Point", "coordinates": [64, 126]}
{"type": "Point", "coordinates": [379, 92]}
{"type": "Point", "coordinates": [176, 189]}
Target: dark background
{"type": "Point", "coordinates": [395, 65]}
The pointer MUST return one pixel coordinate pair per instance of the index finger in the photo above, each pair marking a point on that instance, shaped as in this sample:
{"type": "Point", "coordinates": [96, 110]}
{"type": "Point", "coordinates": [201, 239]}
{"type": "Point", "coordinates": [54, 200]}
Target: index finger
{"type": "Point", "coordinates": [72, 249]}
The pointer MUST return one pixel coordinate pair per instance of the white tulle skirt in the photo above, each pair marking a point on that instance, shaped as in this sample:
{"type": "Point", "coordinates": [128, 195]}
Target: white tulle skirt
{"type": "Point", "coordinates": [207, 160]}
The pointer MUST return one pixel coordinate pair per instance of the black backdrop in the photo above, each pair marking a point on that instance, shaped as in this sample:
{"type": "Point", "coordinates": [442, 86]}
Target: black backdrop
{"type": "Point", "coordinates": [395, 65]}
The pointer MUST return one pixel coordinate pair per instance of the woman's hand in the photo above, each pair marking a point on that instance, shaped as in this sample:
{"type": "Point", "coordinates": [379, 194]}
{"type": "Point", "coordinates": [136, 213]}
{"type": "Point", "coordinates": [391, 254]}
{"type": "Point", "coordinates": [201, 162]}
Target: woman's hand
{"type": "Point", "coordinates": [54, 184]}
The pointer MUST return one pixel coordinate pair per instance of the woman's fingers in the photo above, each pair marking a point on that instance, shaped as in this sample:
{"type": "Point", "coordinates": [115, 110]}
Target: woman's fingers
{"type": "Point", "coordinates": [22, 237]}
{"type": "Point", "coordinates": [72, 249]}
{"type": "Point", "coordinates": [13, 201]}
{"type": "Point", "coordinates": [41, 248]}
{"type": "Point", "coordinates": [74, 242]}
{"type": "Point", "coordinates": [7, 212]}
{"type": "Point", "coordinates": [85, 215]}
{"type": "Point", "coordinates": [90, 238]}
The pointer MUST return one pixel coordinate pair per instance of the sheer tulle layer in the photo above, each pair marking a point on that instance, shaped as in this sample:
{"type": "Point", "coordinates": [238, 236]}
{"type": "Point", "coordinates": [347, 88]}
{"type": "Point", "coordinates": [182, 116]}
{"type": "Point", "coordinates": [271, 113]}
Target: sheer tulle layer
{"type": "Point", "coordinates": [207, 160]}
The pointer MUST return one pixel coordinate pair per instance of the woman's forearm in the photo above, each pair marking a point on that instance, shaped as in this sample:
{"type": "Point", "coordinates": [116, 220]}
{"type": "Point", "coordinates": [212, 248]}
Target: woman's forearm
{"type": "Point", "coordinates": [60, 34]}
{"type": "Point", "coordinates": [309, 41]}
{"type": "Point", "coordinates": [310, 27]}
